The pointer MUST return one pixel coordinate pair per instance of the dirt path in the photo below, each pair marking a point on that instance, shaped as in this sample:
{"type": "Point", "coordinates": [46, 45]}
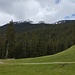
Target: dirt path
{"type": "Point", "coordinates": [44, 63]}
{"type": "Point", "coordinates": [47, 63]}
{"type": "Point", "coordinates": [1, 62]}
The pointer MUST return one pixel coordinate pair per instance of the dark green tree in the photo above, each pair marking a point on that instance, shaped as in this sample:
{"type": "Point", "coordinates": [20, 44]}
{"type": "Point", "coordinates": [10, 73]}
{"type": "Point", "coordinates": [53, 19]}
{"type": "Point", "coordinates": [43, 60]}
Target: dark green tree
{"type": "Point", "coordinates": [10, 40]}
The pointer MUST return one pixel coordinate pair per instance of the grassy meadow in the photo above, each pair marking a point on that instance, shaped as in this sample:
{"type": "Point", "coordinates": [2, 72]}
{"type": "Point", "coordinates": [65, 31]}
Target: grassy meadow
{"type": "Point", "coordinates": [14, 66]}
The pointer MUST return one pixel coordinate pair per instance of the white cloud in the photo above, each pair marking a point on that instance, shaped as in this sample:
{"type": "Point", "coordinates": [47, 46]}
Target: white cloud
{"type": "Point", "coordinates": [26, 9]}
{"type": "Point", "coordinates": [36, 10]}
{"type": "Point", "coordinates": [4, 18]}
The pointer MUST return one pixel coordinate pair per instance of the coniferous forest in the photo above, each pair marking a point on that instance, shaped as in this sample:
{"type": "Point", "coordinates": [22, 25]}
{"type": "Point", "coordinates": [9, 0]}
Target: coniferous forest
{"type": "Point", "coordinates": [25, 40]}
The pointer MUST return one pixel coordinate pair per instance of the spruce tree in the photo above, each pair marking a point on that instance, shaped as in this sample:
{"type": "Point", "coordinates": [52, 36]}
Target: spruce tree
{"type": "Point", "coordinates": [10, 40]}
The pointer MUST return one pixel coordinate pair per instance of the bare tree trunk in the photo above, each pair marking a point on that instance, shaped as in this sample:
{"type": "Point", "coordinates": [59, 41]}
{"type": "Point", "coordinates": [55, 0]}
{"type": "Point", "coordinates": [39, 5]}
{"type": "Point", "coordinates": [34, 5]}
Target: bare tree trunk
{"type": "Point", "coordinates": [7, 48]}
{"type": "Point", "coordinates": [6, 56]}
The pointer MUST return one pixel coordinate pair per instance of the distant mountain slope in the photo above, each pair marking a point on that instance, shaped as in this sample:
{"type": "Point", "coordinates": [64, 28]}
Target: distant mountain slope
{"type": "Point", "coordinates": [21, 27]}
{"type": "Point", "coordinates": [65, 22]}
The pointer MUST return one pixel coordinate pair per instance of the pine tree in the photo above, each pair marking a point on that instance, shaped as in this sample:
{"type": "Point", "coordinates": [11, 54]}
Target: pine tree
{"type": "Point", "coordinates": [10, 40]}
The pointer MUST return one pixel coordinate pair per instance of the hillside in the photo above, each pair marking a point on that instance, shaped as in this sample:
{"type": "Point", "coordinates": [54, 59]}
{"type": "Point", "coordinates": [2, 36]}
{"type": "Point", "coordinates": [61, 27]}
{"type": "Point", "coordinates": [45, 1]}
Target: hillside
{"type": "Point", "coordinates": [18, 67]}
{"type": "Point", "coordinates": [21, 27]}
{"type": "Point", "coordinates": [25, 26]}
{"type": "Point", "coordinates": [34, 40]}
{"type": "Point", "coordinates": [65, 56]}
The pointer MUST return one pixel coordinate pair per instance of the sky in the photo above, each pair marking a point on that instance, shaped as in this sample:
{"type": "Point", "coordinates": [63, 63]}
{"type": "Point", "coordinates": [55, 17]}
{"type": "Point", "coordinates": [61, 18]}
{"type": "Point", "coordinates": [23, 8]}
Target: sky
{"type": "Point", "coordinates": [36, 10]}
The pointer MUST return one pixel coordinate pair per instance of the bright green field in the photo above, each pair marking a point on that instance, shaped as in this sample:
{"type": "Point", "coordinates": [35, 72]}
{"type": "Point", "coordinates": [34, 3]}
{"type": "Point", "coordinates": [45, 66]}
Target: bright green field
{"type": "Point", "coordinates": [10, 67]}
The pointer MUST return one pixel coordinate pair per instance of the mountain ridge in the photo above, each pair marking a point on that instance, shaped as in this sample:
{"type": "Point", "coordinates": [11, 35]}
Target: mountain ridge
{"type": "Point", "coordinates": [23, 26]}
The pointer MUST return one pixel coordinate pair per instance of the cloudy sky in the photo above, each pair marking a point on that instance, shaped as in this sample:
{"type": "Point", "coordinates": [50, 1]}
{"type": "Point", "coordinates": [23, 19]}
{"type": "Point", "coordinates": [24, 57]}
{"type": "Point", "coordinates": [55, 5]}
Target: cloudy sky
{"type": "Point", "coordinates": [36, 10]}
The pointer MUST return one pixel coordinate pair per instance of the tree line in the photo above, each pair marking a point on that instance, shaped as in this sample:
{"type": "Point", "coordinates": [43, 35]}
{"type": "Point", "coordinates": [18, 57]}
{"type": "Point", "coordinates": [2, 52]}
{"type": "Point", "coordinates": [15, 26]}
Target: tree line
{"type": "Point", "coordinates": [39, 42]}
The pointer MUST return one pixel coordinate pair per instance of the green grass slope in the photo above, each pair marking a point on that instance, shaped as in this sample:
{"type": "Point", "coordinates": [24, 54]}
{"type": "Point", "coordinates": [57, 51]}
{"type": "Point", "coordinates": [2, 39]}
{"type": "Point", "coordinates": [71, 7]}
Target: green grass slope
{"type": "Point", "coordinates": [59, 69]}
{"type": "Point", "coordinates": [65, 56]}
{"type": "Point", "coordinates": [41, 69]}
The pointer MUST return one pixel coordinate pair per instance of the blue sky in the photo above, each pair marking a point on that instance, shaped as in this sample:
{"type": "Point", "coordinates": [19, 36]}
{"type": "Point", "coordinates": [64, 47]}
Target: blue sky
{"type": "Point", "coordinates": [36, 10]}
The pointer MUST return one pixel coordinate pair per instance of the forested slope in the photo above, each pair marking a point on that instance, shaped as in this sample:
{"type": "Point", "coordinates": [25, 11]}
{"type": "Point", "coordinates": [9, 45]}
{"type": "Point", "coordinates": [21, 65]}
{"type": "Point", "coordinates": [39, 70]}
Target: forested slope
{"type": "Point", "coordinates": [38, 40]}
